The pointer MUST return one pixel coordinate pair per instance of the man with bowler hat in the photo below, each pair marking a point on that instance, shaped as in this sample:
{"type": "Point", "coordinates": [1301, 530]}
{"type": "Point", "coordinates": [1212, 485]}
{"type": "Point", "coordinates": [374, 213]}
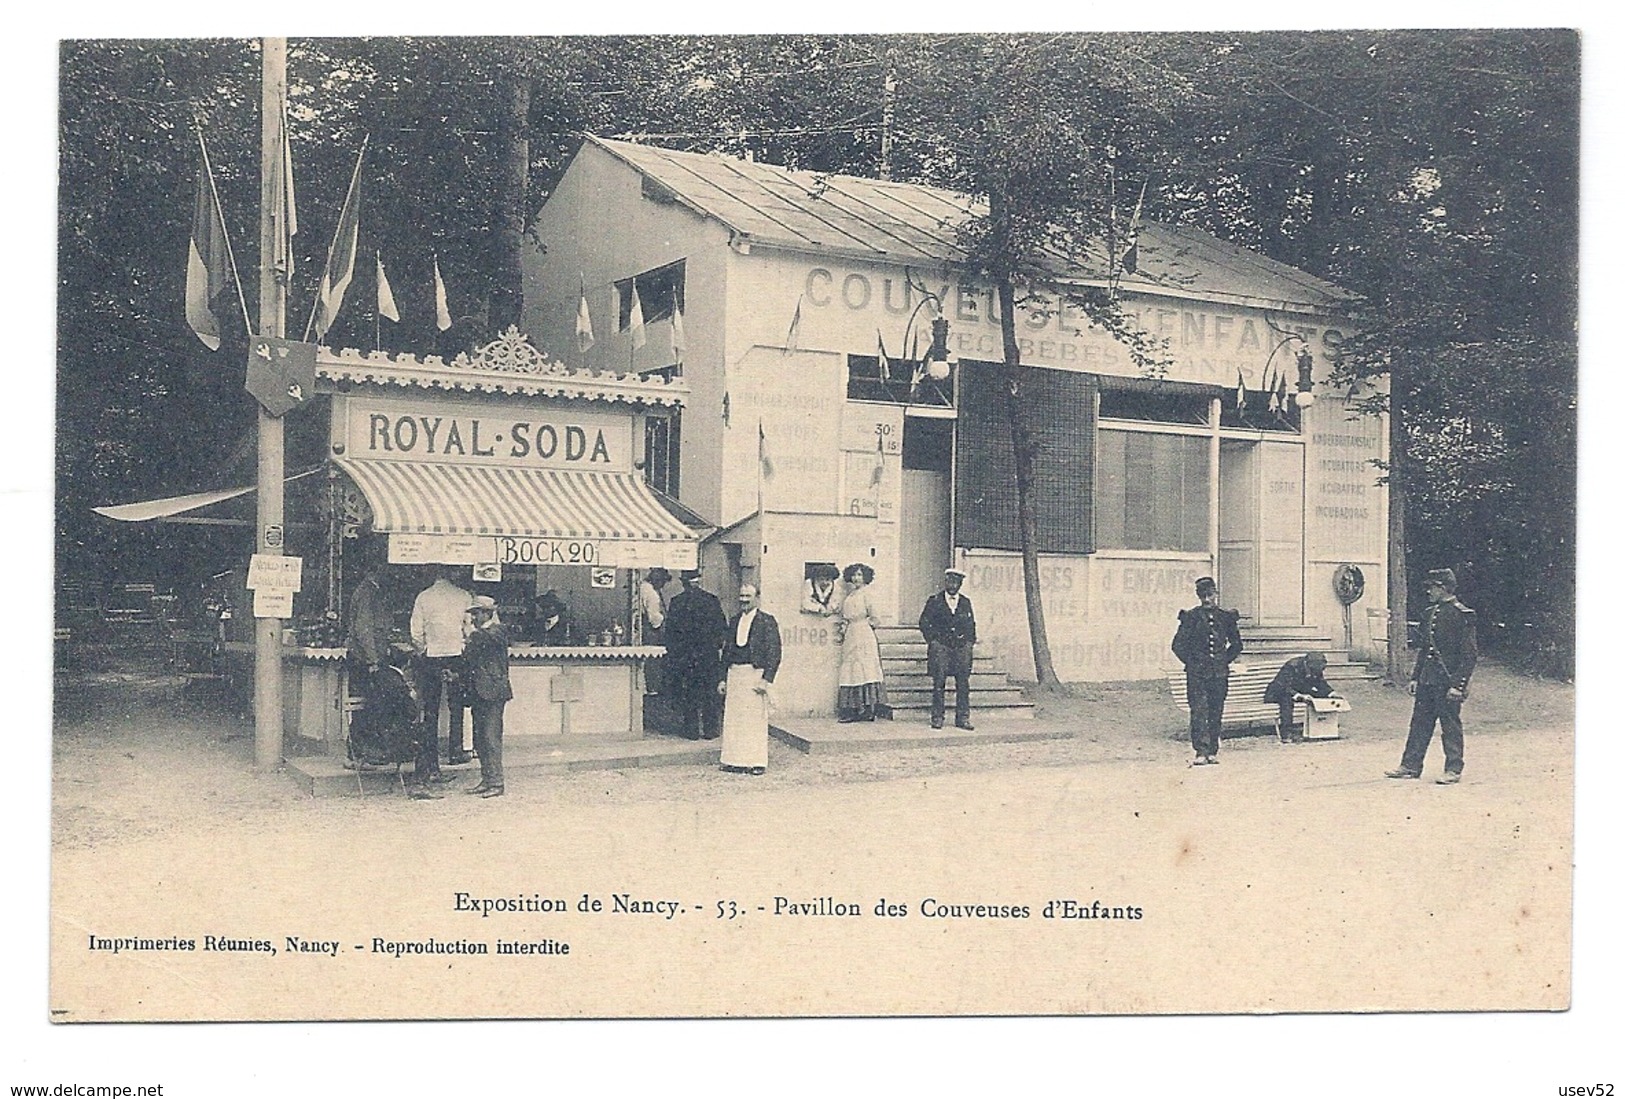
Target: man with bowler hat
{"type": "Point", "coordinates": [485, 663]}
{"type": "Point", "coordinates": [696, 631]}
{"type": "Point", "coordinates": [949, 626]}
{"type": "Point", "coordinates": [1447, 651]}
{"type": "Point", "coordinates": [1207, 641]}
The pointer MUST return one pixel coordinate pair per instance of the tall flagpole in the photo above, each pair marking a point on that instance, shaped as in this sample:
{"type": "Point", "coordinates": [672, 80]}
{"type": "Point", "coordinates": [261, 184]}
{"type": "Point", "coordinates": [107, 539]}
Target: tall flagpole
{"type": "Point", "coordinates": [273, 306]}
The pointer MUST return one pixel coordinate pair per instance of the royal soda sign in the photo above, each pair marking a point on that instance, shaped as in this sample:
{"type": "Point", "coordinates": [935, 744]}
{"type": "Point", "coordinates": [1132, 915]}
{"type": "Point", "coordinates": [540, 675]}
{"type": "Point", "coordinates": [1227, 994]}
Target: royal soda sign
{"type": "Point", "coordinates": [535, 436]}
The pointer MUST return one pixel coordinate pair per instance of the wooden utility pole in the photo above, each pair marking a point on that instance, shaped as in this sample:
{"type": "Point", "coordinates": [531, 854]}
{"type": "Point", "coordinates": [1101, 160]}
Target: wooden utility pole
{"type": "Point", "coordinates": [273, 306]}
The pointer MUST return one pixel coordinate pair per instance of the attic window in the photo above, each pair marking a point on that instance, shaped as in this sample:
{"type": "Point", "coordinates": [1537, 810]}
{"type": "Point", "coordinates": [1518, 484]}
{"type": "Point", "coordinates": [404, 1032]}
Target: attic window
{"type": "Point", "coordinates": [657, 290]}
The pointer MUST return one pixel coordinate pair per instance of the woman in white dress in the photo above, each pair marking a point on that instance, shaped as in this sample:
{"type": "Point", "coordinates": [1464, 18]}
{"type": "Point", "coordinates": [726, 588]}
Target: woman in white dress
{"type": "Point", "coordinates": [862, 693]}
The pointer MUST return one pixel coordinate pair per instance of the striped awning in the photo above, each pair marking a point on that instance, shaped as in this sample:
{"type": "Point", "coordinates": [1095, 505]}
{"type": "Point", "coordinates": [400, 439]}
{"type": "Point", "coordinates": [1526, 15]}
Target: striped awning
{"type": "Point", "coordinates": [426, 498]}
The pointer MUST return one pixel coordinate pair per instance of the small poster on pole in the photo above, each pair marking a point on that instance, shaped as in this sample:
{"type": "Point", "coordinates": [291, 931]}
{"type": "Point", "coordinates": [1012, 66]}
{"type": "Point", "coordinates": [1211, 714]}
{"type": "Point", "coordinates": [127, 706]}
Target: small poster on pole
{"type": "Point", "coordinates": [273, 603]}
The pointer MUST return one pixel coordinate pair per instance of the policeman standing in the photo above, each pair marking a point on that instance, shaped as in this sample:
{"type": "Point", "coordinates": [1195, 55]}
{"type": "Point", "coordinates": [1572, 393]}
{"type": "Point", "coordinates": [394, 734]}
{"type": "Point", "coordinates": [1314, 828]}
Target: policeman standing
{"type": "Point", "coordinates": [1207, 640]}
{"type": "Point", "coordinates": [1446, 654]}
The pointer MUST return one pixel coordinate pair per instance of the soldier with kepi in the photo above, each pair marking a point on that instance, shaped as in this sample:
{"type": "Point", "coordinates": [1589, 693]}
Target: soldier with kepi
{"type": "Point", "coordinates": [1446, 654]}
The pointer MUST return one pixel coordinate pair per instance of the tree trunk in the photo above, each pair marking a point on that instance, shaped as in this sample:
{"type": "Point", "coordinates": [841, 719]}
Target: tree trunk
{"type": "Point", "coordinates": [1398, 586]}
{"type": "Point", "coordinates": [1025, 449]}
{"type": "Point", "coordinates": [507, 287]}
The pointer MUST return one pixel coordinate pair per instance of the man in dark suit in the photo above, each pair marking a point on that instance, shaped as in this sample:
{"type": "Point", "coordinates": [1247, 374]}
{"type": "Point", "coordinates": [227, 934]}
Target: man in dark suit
{"type": "Point", "coordinates": [1207, 641]}
{"type": "Point", "coordinates": [485, 663]}
{"type": "Point", "coordinates": [696, 630]}
{"type": "Point", "coordinates": [1301, 677]}
{"type": "Point", "coordinates": [1447, 652]}
{"type": "Point", "coordinates": [752, 654]}
{"type": "Point", "coordinates": [949, 625]}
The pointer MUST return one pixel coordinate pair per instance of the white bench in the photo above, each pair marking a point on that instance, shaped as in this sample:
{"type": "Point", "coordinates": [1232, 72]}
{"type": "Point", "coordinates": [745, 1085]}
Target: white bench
{"type": "Point", "coordinates": [1244, 703]}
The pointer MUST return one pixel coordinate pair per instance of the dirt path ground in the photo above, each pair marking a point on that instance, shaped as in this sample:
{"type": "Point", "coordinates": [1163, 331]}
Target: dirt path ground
{"type": "Point", "coordinates": [132, 758]}
{"type": "Point", "coordinates": [1291, 878]}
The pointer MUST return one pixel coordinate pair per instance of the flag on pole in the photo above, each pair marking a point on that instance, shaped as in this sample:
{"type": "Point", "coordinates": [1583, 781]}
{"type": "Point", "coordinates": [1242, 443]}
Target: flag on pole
{"type": "Point", "coordinates": [794, 334]}
{"type": "Point", "coordinates": [1131, 254]}
{"type": "Point", "coordinates": [386, 296]}
{"type": "Point", "coordinates": [442, 312]}
{"type": "Point", "coordinates": [885, 363]}
{"type": "Point", "coordinates": [764, 466]}
{"type": "Point", "coordinates": [207, 262]}
{"type": "Point", "coordinates": [341, 254]}
{"type": "Point", "coordinates": [285, 213]}
{"type": "Point", "coordinates": [879, 473]}
{"type": "Point", "coordinates": [679, 339]}
{"type": "Point", "coordinates": [584, 340]}
{"type": "Point", "coordinates": [1241, 390]}
{"type": "Point", "coordinates": [1282, 401]}
{"type": "Point", "coordinates": [635, 324]}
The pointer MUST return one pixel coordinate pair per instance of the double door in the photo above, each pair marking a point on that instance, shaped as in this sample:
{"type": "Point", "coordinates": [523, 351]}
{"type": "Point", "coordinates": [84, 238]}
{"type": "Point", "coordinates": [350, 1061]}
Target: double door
{"type": "Point", "coordinates": [1261, 500]}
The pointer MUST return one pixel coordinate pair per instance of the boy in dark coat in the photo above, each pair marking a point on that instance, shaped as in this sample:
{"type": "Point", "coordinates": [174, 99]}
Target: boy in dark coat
{"type": "Point", "coordinates": [485, 663]}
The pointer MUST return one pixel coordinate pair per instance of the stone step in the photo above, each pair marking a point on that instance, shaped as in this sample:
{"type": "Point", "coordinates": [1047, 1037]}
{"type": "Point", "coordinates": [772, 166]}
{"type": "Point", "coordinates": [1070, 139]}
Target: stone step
{"type": "Point", "coordinates": [988, 665]}
{"type": "Point", "coordinates": [921, 680]}
{"type": "Point", "coordinates": [1006, 690]}
{"type": "Point", "coordinates": [977, 705]}
{"type": "Point", "coordinates": [1280, 631]}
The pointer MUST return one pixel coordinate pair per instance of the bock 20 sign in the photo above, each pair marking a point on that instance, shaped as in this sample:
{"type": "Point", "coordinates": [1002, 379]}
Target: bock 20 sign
{"type": "Point", "coordinates": [535, 436]}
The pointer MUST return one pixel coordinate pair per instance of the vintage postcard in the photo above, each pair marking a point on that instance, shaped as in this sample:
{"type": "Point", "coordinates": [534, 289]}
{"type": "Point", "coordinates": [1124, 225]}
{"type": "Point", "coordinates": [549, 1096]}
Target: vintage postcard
{"type": "Point", "coordinates": [815, 526]}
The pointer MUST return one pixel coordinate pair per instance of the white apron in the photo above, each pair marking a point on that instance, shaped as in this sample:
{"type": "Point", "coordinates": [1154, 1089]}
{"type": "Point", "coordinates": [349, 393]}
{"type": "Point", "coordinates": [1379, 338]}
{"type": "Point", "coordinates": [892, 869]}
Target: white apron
{"type": "Point", "coordinates": [744, 719]}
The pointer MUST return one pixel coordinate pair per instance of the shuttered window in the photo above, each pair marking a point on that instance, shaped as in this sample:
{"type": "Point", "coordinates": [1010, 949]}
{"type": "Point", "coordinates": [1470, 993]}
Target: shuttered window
{"type": "Point", "coordinates": [1152, 491]}
{"type": "Point", "coordinates": [1060, 408]}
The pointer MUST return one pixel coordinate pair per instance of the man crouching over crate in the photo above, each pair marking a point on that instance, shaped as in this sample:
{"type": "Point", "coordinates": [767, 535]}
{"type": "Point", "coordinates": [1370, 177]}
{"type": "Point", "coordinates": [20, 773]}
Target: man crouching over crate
{"type": "Point", "coordinates": [1207, 641]}
{"type": "Point", "coordinates": [1299, 678]}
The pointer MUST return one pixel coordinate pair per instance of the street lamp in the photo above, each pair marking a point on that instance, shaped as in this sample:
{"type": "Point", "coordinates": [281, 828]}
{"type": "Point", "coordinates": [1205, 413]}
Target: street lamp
{"type": "Point", "coordinates": [1306, 378]}
{"type": "Point", "coordinates": [939, 360]}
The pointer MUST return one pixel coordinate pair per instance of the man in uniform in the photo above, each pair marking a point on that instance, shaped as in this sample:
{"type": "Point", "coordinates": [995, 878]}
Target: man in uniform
{"type": "Point", "coordinates": [1446, 654]}
{"type": "Point", "coordinates": [696, 630]}
{"type": "Point", "coordinates": [949, 626]}
{"type": "Point", "coordinates": [1207, 641]}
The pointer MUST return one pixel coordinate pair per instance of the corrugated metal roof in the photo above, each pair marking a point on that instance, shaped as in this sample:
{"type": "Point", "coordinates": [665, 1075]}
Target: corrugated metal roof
{"type": "Point", "coordinates": [911, 223]}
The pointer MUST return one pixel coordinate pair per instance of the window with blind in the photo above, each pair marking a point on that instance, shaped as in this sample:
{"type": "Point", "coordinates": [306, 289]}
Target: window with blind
{"type": "Point", "coordinates": [1151, 491]}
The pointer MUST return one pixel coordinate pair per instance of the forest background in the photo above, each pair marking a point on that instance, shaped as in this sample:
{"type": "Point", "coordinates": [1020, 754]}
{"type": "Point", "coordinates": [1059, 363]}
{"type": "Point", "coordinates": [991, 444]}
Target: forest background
{"type": "Point", "coordinates": [1435, 174]}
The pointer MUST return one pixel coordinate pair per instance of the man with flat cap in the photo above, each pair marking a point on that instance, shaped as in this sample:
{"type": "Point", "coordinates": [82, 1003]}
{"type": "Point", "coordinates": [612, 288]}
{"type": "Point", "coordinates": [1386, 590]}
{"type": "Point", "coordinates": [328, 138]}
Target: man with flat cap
{"type": "Point", "coordinates": [696, 631]}
{"type": "Point", "coordinates": [1446, 653]}
{"type": "Point", "coordinates": [949, 626]}
{"type": "Point", "coordinates": [1301, 677]}
{"type": "Point", "coordinates": [1207, 641]}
